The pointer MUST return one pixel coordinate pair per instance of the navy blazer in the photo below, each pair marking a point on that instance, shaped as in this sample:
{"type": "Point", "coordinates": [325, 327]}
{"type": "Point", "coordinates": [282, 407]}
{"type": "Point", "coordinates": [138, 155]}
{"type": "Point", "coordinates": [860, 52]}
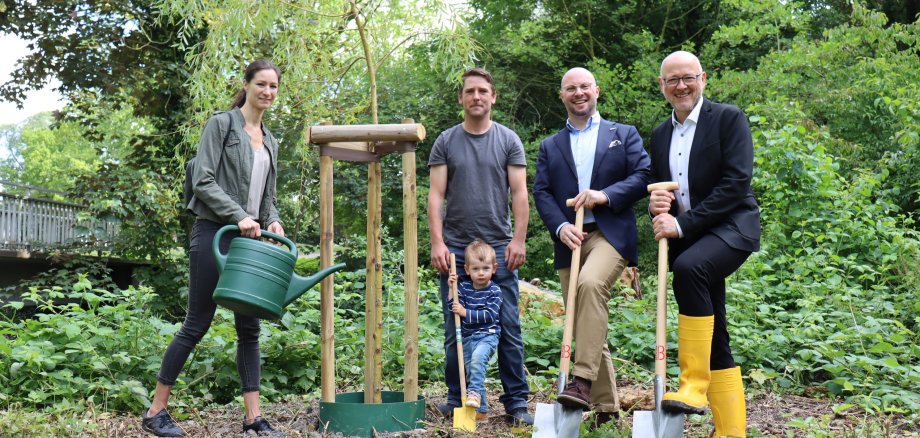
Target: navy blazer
{"type": "Point", "coordinates": [621, 170]}
{"type": "Point", "coordinates": [720, 168]}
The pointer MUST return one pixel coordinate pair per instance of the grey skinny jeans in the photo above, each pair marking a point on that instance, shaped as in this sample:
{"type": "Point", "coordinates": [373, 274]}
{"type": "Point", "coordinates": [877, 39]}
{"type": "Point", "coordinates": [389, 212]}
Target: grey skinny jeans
{"type": "Point", "coordinates": [203, 277]}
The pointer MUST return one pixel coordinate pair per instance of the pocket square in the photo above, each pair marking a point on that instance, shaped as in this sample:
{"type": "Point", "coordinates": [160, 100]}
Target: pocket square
{"type": "Point", "coordinates": [614, 144]}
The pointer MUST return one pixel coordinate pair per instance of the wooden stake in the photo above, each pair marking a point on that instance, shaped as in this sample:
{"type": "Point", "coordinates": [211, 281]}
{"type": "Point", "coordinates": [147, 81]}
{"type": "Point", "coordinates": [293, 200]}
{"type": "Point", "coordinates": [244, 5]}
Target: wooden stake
{"type": "Point", "coordinates": [373, 329]}
{"type": "Point", "coordinates": [327, 287]}
{"type": "Point", "coordinates": [410, 249]}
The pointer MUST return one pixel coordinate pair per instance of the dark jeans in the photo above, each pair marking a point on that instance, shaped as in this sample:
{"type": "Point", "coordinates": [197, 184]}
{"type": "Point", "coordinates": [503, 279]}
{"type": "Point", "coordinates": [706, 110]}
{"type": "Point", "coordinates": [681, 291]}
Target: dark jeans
{"type": "Point", "coordinates": [203, 277]}
{"type": "Point", "coordinates": [510, 343]}
{"type": "Point", "coordinates": [700, 268]}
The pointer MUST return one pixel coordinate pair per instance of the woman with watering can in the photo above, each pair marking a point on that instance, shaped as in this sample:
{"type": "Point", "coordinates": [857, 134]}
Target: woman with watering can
{"type": "Point", "coordinates": [233, 181]}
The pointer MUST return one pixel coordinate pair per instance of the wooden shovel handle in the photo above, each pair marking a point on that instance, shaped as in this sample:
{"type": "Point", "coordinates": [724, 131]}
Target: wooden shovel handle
{"type": "Point", "coordinates": [661, 330]}
{"type": "Point", "coordinates": [566, 354]}
{"type": "Point", "coordinates": [667, 185]}
{"type": "Point", "coordinates": [460, 359]}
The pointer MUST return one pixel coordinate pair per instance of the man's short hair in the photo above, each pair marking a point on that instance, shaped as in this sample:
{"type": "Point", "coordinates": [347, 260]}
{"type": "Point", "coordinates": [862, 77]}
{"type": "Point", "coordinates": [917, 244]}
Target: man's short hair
{"type": "Point", "coordinates": [479, 251]}
{"type": "Point", "coordinates": [481, 72]}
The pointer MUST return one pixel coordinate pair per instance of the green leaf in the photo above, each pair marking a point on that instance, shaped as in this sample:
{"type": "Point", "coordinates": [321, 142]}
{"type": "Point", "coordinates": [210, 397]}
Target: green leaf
{"type": "Point", "coordinates": [881, 347]}
{"type": "Point", "coordinates": [15, 305]}
{"type": "Point", "coordinates": [891, 362]}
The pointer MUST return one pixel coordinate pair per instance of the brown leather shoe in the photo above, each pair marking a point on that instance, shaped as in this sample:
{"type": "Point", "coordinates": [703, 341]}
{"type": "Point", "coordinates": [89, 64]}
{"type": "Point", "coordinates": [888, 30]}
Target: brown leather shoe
{"type": "Point", "coordinates": [577, 394]}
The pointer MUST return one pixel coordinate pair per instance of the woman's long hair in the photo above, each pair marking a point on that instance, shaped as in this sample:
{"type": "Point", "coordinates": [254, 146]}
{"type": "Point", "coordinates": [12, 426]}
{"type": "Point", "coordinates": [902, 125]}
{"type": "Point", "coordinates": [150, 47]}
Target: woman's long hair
{"type": "Point", "coordinates": [251, 70]}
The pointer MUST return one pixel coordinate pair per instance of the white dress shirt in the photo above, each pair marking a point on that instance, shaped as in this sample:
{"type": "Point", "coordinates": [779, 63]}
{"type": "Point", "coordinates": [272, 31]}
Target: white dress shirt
{"type": "Point", "coordinates": [679, 157]}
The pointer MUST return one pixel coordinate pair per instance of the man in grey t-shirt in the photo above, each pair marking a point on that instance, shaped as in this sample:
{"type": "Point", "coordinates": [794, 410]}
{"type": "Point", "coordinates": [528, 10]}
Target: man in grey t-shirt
{"type": "Point", "coordinates": [477, 167]}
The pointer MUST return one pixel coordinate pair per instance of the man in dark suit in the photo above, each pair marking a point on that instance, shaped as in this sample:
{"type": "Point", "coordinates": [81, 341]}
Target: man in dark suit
{"type": "Point", "coordinates": [602, 165]}
{"type": "Point", "coordinates": [714, 225]}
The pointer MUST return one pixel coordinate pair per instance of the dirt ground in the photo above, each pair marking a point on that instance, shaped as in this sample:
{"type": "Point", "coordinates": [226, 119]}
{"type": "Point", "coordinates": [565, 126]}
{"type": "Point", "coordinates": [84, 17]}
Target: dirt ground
{"type": "Point", "coordinates": [769, 415]}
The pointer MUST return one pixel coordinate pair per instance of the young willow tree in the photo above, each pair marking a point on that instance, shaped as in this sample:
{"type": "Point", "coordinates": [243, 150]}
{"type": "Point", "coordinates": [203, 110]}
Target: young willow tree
{"type": "Point", "coordinates": [329, 52]}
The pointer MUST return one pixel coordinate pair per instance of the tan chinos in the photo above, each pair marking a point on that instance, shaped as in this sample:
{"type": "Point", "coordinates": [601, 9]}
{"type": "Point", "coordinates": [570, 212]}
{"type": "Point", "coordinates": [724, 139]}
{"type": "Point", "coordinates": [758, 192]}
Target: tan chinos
{"type": "Point", "coordinates": [601, 265]}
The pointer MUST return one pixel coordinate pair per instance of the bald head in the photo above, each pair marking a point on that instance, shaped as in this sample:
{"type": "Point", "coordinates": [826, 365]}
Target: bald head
{"type": "Point", "coordinates": [579, 93]}
{"type": "Point", "coordinates": [578, 72]}
{"type": "Point", "coordinates": [682, 82]}
{"type": "Point", "coordinates": [680, 57]}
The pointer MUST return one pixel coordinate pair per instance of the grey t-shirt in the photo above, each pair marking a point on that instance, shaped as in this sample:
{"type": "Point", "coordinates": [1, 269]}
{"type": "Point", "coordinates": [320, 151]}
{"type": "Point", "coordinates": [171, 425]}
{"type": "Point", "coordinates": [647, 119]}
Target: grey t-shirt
{"type": "Point", "coordinates": [478, 193]}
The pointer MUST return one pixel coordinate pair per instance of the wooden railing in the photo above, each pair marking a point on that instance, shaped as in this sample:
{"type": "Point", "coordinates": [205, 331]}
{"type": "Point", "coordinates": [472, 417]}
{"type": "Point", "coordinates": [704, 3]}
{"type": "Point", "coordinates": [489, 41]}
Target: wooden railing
{"type": "Point", "coordinates": [29, 223]}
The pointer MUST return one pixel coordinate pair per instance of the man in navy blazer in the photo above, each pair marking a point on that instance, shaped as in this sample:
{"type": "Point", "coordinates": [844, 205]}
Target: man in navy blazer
{"type": "Point", "coordinates": [602, 165]}
{"type": "Point", "coordinates": [713, 222]}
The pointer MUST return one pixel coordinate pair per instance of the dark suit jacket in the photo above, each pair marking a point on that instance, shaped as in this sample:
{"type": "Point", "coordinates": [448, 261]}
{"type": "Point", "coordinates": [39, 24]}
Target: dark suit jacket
{"type": "Point", "coordinates": [621, 170]}
{"type": "Point", "coordinates": [721, 163]}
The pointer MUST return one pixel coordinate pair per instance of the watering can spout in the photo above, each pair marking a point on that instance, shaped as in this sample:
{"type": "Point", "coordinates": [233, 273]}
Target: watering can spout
{"type": "Point", "coordinates": [300, 285]}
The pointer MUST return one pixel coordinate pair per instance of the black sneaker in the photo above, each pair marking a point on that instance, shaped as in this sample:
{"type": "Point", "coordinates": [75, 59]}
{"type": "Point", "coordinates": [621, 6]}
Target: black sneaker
{"type": "Point", "coordinates": [261, 427]}
{"type": "Point", "coordinates": [519, 417]}
{"type": "Point", "coordinates": [446, 410]}
{"type": "Point", "coordinates": [161, 424]}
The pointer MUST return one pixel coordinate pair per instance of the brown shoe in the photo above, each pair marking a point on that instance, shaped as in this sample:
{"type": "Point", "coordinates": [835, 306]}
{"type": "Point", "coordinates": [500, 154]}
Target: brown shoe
{"type": "Point", "coordinates": [577, 394]}
{"type": "Point", "coordinates": [482, 416]}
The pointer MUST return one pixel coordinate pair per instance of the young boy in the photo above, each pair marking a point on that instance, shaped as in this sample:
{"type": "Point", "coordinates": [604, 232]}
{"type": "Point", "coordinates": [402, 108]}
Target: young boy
{"type": "Point", "coordinates": [478, 306]}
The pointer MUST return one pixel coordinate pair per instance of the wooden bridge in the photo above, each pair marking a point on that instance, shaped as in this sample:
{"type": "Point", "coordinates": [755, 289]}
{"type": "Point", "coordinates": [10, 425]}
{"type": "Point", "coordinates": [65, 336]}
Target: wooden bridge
{"type": "Point", "coordinates": [31, 221]}
{"type": "Point", "coordinates": [33, 225]}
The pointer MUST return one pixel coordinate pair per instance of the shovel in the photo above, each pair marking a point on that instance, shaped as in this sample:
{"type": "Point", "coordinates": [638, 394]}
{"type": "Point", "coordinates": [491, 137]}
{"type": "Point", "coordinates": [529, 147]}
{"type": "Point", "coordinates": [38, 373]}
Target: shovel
{"type": "Point", "coordinates": [556, 420]}
{"type": "Point", "coordinates": [464, 416]}
{"type": "Point", "coordinates": [660, 423]}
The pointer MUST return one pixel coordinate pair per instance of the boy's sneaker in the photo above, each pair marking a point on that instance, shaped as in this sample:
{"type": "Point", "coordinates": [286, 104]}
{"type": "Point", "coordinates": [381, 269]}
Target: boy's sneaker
{"type": "Point", "coordinates": [482, 416]}
{"type": "Point", "coordinates": [472, 400]}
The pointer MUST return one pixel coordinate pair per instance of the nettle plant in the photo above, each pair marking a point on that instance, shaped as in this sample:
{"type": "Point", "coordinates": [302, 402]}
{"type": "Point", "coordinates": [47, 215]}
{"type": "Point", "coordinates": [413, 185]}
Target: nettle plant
{"type": "Point", "coordinates": [82, 345]}
{"type": "Point", "coordinates": [827, 300]}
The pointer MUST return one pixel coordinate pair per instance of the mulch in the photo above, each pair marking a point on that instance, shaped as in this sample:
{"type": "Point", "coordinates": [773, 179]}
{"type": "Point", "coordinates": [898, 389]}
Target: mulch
{"type": "Point", "coordinates": [769, 415]}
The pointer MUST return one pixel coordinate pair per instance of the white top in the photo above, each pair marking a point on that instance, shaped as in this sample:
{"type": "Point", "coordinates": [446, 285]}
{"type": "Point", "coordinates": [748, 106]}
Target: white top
{"type": "Point", "coordinates": [260, 165]}
{"type": "Point", "coordinates": [679, 156]}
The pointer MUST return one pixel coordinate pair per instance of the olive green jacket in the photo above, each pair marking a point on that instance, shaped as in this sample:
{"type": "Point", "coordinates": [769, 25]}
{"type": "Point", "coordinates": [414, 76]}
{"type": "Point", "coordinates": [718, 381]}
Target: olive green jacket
{"type": "Point", "coordinates": [221, 193]}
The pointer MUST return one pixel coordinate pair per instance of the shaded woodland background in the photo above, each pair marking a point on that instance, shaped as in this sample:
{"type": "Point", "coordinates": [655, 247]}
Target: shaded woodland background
{"type": "Point", "coordinates": [828, 307]}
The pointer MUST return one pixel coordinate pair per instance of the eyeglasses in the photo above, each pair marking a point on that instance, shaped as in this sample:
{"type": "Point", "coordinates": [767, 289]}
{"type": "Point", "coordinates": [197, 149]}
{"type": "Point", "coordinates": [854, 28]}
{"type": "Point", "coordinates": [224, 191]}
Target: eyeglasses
{"type": "Point", "coordinates": [687, 80]}
{"type": "Point", "coordinates": [571, 89]}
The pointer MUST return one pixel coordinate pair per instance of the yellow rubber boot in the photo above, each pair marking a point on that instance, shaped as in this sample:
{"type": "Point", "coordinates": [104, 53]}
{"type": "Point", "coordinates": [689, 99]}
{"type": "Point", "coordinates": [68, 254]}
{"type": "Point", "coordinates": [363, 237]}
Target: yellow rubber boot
{"type": "Point", "coordinates": [694, 346]}
{"type": "Point", "coordinates": [726, 399]}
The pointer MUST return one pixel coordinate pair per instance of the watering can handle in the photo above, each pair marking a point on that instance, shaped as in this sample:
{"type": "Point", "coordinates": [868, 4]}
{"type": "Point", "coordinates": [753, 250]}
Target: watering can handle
{"type": "Point", "coordinates": [222, 259]}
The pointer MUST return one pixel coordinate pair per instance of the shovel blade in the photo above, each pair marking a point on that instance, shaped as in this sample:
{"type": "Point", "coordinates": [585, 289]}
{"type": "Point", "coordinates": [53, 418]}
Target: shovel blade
{"type": "Point", "coordinates": [643, 424]}
{"type": "Point", "coordinates": [670, 425]}
{"type": "Point", "coordinates": [544, 422]}
{"type": "Point", "coordinates": [465, 419]}
{"type": "Point", "coordinates": [556, 421]}
{"type": "Point", "coordinates": [569, 425]}
{"type": "Point", "coordinates": [657, 424]}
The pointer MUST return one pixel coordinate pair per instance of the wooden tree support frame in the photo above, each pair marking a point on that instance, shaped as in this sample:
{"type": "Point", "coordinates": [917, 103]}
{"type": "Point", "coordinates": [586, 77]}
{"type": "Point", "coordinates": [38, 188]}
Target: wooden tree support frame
{"type": "Point", "coordinates": [368, 143]}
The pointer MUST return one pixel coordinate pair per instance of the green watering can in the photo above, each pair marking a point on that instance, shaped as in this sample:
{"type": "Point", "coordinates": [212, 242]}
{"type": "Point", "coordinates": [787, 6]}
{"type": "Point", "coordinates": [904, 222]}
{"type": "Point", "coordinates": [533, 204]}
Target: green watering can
{"type": "Point", "coordinates": [257, 278]}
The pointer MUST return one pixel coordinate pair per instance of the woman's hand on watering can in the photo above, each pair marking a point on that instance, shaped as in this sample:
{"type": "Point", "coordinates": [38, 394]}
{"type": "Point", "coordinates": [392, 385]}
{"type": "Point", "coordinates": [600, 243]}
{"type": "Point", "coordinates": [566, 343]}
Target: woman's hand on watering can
{"type": "Point", "coordinates": [275, 227]}
{"type": "Point", "coordinates": [249, 228]}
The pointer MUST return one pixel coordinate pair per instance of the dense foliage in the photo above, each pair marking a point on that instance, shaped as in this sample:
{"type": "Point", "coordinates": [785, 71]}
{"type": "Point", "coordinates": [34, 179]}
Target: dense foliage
{"type": "Point", "coordinates": [830, 88]}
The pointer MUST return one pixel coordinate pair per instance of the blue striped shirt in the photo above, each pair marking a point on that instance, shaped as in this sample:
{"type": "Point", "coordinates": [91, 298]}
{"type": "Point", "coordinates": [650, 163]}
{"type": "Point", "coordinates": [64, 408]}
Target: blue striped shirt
{"type": "Point", "coordinates": [482, 308]}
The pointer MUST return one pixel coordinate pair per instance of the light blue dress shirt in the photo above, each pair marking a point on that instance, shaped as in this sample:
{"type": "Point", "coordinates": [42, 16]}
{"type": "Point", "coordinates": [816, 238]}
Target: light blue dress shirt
{"type": "Point", "coordinates": [584, 146]}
